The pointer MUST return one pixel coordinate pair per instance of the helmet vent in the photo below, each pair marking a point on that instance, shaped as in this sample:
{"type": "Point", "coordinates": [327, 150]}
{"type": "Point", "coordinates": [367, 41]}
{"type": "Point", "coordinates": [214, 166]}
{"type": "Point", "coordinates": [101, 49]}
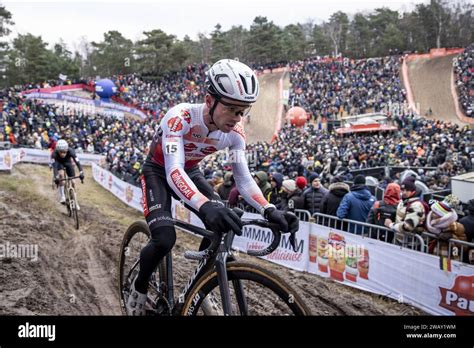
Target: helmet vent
{"type": "Point", "coordinates": [244, 83]}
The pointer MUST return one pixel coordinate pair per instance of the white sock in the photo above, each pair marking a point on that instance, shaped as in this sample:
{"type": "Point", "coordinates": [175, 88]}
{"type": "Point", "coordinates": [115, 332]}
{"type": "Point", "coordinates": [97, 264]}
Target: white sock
{"type": "Point", "coordinates": [61, 190]}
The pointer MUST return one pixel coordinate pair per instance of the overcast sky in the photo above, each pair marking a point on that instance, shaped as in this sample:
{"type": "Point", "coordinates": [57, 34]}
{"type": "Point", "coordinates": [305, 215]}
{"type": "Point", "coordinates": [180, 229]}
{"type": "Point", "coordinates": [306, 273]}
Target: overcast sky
{"type": "Point", "coordinates": [70, 20]}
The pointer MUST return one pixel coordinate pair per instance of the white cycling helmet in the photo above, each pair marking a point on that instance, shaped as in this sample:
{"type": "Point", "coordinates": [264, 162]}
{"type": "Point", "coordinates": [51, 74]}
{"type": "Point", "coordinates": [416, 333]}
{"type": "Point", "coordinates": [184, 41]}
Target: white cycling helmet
{"type": "Point", "coordinates": [234, 80]}
{"type": "Point", "coordinates": [62, 145]}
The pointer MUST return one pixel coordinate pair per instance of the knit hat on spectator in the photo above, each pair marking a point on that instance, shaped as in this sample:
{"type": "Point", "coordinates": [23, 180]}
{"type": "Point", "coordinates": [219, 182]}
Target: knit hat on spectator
{"type": "Point", "coordinates": [289, 185]}
{"type": "Point", "coordinates": [441, 208]}
{"type": "Point", "coordinates": [312, 177]}
{"type": "Point", "coordinates": [408, 184]}
{"type": "Point", "coordinates": [278, 178]}
{"type": "Point", "coordinates": [335, 179]}
{"type": "Point", "coordinates": [359, 180]}
{"type": "Point", "coordinates": [301, 182]}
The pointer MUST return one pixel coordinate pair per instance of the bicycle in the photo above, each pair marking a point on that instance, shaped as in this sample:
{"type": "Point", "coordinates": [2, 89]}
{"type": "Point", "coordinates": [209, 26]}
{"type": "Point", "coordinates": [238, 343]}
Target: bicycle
{"type": "Point", "coordinates": [255, 290]}
{"type": "Point", "coordinates": [71, 198]}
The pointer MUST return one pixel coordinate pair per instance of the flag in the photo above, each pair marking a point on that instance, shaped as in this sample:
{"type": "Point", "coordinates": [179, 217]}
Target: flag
{"type": "Point", "coordinates": [62, 77]}
{"type": "Point", "coordinates": [445, 263]}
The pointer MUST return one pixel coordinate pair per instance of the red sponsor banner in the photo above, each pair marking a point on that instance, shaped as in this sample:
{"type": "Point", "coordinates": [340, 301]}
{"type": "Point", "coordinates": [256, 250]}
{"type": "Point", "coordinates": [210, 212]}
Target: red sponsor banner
{"type": "Point", "coordinates": [57, 89]}
{"type": "Point", "coordinates": [124, 103]}
{"type": "Point", "coordinates": [175, 124]}
{"type": "Point", "coordinates": [460, 298]}
{"type": "Point", "coordinates": [181, 184]}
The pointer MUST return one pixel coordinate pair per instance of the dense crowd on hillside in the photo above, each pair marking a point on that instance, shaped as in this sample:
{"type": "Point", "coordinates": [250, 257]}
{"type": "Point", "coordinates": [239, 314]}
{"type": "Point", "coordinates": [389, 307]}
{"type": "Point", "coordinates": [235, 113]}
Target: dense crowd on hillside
{"type": "Point", "coordinates": [464, 70]}
{"type": "Point", "coordinates": [330, 88]}
{"type": "Point", "coordinates": [444, 147]}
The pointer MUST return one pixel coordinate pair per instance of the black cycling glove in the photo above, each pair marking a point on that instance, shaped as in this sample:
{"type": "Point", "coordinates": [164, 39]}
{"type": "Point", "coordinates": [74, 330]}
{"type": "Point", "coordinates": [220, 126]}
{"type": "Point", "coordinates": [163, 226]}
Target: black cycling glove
{"type": "Point", "coordinates": [287, 221]}
{"type": "Point", "coordinates": [219, 218]}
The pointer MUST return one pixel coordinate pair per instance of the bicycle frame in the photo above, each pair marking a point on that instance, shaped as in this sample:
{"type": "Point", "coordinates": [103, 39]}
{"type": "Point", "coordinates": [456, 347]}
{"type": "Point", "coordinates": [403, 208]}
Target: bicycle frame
{"type": "Point", "coordinates": [217, 259]}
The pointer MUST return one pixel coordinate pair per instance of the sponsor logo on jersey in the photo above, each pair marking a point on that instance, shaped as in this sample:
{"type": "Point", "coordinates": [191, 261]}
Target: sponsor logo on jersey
{"type": "Point", "coordinates": [239, 129]}
{"type": "Point", "coordinates": [208, 150]}
{"type": "Point", "coordinates": [189, 147]}
{"type": "Point", "coordinates": [181, 184]}
{"type": "Point", "coordinates": [186, 116]}
{"type": "Point", "coordinates": [175, 124]}
{"type": "Point", "coordinates": [144, 202]}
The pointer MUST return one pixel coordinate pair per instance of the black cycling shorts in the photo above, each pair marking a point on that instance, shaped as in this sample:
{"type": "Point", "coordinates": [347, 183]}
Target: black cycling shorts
{"type": "Point", "coordinates": [69, 166]}
{"type": "Point", "coordinates": [157, 194]}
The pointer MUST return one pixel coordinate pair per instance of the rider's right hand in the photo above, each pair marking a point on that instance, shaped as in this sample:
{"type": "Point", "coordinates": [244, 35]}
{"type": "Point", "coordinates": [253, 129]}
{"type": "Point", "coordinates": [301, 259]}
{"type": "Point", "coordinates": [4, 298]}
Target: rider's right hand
{"type": "Point", "coordinates": [56, 180]}
{"type": "Point", "coordinates": [219, 218]}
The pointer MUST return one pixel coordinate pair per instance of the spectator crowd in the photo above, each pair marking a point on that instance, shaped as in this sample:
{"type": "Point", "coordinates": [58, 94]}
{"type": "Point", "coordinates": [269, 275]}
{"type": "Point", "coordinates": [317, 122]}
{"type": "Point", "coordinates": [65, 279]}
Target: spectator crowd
{"type": "Point", "coordinates": [463, 70]}
{"type": "Point", "coordinates": [330, 87]}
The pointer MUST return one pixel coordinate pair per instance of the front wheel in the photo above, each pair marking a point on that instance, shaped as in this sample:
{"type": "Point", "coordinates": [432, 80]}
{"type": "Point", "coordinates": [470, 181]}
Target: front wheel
{"type": "Point", "coordinates": [73, 209]}
{"type": "Point", "coordinates": [134, 239]}
{"type": "Point", "coordinates": [254, 291]}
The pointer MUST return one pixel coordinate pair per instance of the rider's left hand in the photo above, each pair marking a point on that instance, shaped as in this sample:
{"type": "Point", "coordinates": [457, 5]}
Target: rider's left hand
{"type": "Point", "coordinates": [287, 221]}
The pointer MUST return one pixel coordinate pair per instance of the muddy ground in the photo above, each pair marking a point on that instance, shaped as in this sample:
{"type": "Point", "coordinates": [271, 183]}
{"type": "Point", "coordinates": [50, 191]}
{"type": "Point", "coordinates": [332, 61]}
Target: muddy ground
{"type": "Point", "coordinates": [75, 273]}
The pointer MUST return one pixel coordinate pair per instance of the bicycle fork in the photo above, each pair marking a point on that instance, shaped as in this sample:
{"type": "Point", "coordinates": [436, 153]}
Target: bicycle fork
{"type": "Point", "coordinates": [223, 281]}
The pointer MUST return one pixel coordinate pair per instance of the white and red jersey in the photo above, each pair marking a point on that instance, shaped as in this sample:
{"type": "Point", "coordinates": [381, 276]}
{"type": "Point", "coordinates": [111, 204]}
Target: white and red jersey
{"type": "Point", "coordinates": [183, 140]}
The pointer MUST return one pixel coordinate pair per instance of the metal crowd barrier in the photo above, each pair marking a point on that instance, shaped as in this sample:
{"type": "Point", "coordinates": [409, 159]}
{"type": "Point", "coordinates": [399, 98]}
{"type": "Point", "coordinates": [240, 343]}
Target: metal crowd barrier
{"type": "Point", "coordinates": [462, 246]}
{"type": "Point", "coordinates": [411, 241]}
{"type": "Point", "coordinates": [407, 240]}
{"type": "Point", "coordinates": [303, 215]}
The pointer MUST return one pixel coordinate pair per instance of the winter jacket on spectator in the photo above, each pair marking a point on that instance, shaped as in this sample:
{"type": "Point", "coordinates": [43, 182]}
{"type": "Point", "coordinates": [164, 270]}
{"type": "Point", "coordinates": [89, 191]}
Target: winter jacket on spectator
{"type": "Point", "coordinates": [444, 226]}
{"type": "Point", "coordinates": [312, 199]}
{"type": "Point", "coordinates": [274, 195]}
{"type": "Point", "coordinates": [291, 201]}
{"type": "Point", "coordinates": [468, 222]}
{"type": "Point", "coordinates": [386, 208]}
{"type": "Point", "coordinates": [356, 206]}
{"type": "Point", "coordinates": [224, 189]}
{"type": "Point", "coordinates": [234, 197]}
{"type": "Point", "coordinates": [263, 183]}
{"type": "Point", "coordinates": [410, 217]}
{"type": "Point", "coordinates": [333, 198]}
